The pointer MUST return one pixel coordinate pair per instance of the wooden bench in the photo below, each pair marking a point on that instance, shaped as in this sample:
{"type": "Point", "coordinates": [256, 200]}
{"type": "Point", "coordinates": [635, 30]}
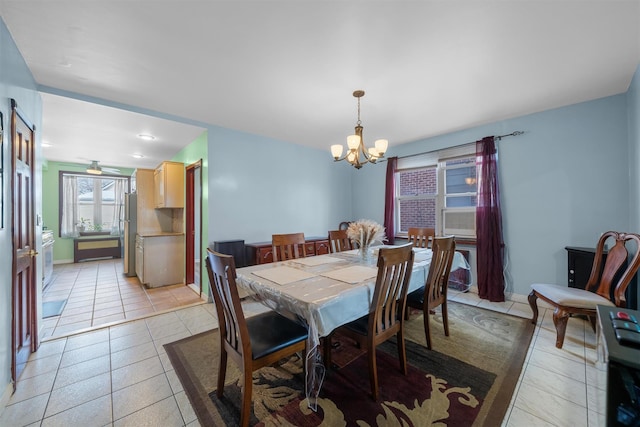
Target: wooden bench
{"type": "Point", "coordinates": [96, 247]}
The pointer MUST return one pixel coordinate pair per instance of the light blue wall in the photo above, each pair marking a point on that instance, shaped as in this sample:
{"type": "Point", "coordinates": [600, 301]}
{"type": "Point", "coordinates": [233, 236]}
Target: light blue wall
{"type": "Point", "coordinates": [563, 183]}
{"type": "Point", "coordinates": [16, 82]}
{"type": "Point", "coordinates": [260, 186]}
{"type": "Point", "coordinates": [633, 112]}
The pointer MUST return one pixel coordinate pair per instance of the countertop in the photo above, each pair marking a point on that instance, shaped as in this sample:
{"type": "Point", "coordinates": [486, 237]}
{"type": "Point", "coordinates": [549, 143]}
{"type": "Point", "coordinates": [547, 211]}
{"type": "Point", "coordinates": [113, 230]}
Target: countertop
{"type": "Point", "coordinates": [159, 234]}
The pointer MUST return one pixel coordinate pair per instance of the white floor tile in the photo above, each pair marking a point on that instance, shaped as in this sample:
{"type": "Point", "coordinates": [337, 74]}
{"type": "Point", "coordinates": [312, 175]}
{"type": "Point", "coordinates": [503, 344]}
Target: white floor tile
{"type": "Point", "coordinates": [140, 395]}
{"type": "Point", "coordinates": [93, 413]}
{"type": "Point", "coordinates": [70, 379]}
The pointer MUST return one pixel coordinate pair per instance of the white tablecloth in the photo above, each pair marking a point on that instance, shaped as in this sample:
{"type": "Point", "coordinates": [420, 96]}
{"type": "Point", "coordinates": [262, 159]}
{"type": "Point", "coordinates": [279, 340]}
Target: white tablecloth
{"type": "Point", "coordinates": [326, 291]}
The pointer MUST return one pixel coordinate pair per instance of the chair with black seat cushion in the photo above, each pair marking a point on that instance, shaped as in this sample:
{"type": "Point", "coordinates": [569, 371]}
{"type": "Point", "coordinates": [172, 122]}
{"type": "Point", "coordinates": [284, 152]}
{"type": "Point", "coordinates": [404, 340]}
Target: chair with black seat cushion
{"type": "Point", "coordinates": [607, 284]}
{"type": "Point", "coordinates": [288, 246]}
{"type": "Point", "coordinates": [254, 342]}
{"type": "Point", "coordinates": [386, 313]}
{"type": "Point", "coordinates": [339, 241]}
{"type": "Point", "coordinates": [420, 236]}
{"type": "Point", "coordinates": [434, 292]}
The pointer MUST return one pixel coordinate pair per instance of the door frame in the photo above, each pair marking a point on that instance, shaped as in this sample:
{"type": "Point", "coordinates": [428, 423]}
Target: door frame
{"type": "Point", "coordinates": [190, 226]}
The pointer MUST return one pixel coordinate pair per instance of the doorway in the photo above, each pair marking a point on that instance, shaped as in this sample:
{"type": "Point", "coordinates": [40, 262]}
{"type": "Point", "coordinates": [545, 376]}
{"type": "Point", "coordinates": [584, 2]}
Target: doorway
{"type": "Point", "coordinates": [193, 228]}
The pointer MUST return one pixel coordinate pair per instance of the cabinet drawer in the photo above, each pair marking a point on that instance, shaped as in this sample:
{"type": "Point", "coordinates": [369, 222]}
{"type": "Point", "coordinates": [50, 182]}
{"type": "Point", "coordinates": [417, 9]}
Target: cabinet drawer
{"type": "Point", "coordinates": [265, 255]}
{"type": "Point", "coordinates": [310, 248]}
{"type": "Point", "coordinates": [322, 247]}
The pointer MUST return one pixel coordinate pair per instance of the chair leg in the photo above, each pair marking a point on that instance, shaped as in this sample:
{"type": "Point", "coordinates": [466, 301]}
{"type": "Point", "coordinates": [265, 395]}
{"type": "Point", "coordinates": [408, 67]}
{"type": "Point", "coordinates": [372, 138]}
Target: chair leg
{"type": "Point", "coordinates": [326, 347]}
{"type": "Point", "coordinates": [427, 329]}
{"type": "Point", "coordinates": [560, 318]}
{"type": "Point", "coordinates": [402, 351]}
{"type": "Point", "coordinates": [373, 370]}
{"type": "Point", "coordinates": [533, 302]}
{"type": "Point", "coordinates": [222, 371]}
{"type": "Point", "coordinates": [445, 318]}
{"type": "Point", "coordinates": [245, 410]}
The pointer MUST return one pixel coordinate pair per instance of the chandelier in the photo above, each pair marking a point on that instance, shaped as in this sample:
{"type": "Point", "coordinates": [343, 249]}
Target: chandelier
{"type": "Point", "coordinates": [356, 154]}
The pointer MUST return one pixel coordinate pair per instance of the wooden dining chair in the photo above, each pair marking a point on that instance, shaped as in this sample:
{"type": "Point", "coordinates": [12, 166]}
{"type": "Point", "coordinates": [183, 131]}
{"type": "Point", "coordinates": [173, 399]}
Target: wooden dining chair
{"type": "Point", "coordinates": [420, 236]}
{"type": "Point", "coordinates": [288, 246]}
{"type": "Point", "coordinates": [338, 241]}
{"type": "Point", "coordinates": [434, 292]}
{"type": "Point", "coordinates": [251, 343]}
{"type": "Point", "coordinates": [386, 315]}
{"type": "Point", "coordinates": [606, 285]}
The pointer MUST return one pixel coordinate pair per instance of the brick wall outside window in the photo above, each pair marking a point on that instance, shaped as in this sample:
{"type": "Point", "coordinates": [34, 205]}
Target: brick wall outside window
{"type": "Point", "coordinates": [418, 212]}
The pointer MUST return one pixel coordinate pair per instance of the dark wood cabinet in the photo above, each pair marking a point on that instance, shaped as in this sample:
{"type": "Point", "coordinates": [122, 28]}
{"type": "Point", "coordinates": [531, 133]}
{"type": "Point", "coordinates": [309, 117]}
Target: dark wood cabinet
{"type": "Point", "coordinates": [580, 262]}
{"type": "Point", "coordinates": [262, 253]}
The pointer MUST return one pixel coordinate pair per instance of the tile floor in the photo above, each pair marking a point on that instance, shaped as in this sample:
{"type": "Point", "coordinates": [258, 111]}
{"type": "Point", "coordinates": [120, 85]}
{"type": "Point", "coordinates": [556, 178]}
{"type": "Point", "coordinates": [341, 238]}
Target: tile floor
{"type": "Point", "coordinates": [120, 375]}
{"type": "Point", "coordinates": [99, 294]}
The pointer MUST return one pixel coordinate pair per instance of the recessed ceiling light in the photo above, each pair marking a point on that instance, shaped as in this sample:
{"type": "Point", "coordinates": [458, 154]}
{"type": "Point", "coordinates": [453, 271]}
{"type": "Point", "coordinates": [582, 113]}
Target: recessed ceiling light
{"type": "Point", "coordinates": [146, 137]}
{"type": "Point", "coordinates": [137, 156]}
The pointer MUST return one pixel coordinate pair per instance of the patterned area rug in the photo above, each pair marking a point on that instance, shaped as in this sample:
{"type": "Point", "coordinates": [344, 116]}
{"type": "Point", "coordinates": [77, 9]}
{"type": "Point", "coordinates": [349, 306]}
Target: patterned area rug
{"type": "Point", "coordinates": [467, 379]}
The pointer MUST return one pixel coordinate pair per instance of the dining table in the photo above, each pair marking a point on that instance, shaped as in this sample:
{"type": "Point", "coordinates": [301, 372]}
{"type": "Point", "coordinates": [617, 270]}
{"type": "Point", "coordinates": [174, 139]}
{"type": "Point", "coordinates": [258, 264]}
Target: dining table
{"type": "Point", "coordinates": [325, 292]}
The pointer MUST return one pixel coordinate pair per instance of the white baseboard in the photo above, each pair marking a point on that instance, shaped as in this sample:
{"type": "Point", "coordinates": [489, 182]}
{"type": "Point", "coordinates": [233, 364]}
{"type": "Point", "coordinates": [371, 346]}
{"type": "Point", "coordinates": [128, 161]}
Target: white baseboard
{"type": "Point", "coordinates": [509, 296]}
{"type": "Point", "coordinates": [63, 261]}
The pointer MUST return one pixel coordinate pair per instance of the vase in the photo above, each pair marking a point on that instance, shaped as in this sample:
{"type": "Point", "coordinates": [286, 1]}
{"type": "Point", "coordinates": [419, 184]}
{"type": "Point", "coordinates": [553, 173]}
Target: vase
{"type": "Point", "coordinates": [365, 253]}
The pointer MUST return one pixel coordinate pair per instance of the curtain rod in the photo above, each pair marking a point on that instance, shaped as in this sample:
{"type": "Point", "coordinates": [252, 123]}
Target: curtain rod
{"type": "Point", "coordinates": [515, 133]}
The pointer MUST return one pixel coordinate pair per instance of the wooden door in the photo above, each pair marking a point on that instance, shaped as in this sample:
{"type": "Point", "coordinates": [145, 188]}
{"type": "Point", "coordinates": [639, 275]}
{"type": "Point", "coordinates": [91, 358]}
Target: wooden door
{"type": "Point", "coordinates": [24, 334]}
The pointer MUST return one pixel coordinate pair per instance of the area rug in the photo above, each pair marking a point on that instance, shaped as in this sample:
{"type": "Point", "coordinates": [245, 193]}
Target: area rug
{"type": "Point", "coordinates": [466, 380]}
{"type": "Point", "coordinates": [53, 308]}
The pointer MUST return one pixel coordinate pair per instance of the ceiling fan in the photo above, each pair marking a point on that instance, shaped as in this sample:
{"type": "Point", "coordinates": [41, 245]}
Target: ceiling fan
{"type": "Point", "coordinates": [95, 169]}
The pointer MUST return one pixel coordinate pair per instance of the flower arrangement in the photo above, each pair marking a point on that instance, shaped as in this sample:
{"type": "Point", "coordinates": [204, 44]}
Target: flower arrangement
{"type": "Point", "coordinates": [364, 232]}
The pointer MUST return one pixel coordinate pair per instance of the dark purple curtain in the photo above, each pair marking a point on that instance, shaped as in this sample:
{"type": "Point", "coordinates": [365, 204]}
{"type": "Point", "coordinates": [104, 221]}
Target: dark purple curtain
{"type": "Point", "coordinates": [490, 246]}
{"type": "Point", "coordinates": [389, 200]}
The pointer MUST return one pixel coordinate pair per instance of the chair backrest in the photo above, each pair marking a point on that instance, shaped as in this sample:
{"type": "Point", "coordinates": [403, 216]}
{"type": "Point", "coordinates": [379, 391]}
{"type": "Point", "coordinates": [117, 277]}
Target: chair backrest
{"type": "Point", "coordinates": [338, 241]}
{"type": "Point", "coordinates": [602, 276]}
{"type": "Point", "coordinates": [287, 246]}
{"type": "Point", "coordinates": [420, 236]}
{"type": "Point", "coordinates": [392, 283]}
{"type": "Point", "coordinates": [222, 282]}
{"type": "Point", "coordinates": [444, 249]}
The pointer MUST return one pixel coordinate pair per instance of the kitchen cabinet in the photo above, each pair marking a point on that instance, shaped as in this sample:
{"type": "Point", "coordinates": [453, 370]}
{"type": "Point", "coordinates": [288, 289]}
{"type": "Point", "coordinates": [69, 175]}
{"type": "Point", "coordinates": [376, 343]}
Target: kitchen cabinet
{"type": "Point", "coordinates": [160, 259]}
{"type": "Point", "coordinates": [168, 182]}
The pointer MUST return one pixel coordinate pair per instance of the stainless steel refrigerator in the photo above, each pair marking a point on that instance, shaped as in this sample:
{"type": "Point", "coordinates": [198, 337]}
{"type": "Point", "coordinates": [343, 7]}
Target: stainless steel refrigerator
{"type": "Point", "coordinates": [130, 229]}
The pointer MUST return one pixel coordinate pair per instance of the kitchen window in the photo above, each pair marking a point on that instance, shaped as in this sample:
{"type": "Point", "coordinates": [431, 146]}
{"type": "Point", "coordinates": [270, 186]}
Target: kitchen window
{"type": "Point", "coordinates": [91, 204]}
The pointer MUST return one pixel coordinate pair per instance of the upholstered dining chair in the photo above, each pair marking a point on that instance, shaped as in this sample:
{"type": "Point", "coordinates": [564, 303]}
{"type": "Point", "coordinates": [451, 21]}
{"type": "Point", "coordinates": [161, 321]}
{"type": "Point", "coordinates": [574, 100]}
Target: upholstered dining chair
{"type": "Point", "coordinates": [386, 315]}
{"type": "Point", "coordinates": [288, 246]}
{"type": "Point", "coordinates": [607, 284]}
{"type": "Point", "coordinates": [420, 236]}
{"type": "Point", "coordinates": [251, 343]}
{"type": "Point", "coordinates": [338, 241]}
{"type": "Point", "coordinates": [434, 292]}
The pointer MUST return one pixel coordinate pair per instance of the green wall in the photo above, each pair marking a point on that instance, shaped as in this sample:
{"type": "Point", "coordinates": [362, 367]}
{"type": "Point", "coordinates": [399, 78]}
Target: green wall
{"type": "Point", "coordinates": [63, 248]}
{"type": "Point", "coordinates": [192, 153]}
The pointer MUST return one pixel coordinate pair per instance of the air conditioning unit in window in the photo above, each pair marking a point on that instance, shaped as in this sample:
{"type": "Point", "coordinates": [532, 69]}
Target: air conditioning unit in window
{"type": "Point", "coordinates": [459, 222]}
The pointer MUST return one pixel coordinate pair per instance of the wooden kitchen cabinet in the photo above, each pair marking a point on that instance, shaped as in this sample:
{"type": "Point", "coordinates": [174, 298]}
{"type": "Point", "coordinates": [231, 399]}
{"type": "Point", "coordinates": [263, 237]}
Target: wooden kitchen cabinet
{"type": "Point", "coordinates": [160, 259]}
{"type": "Point", "coordinates": [168, 182]}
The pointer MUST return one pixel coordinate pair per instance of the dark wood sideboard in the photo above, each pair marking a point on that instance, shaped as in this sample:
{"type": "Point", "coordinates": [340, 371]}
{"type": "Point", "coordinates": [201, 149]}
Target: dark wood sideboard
{"type": "Point", "coordinates": [262, 252]}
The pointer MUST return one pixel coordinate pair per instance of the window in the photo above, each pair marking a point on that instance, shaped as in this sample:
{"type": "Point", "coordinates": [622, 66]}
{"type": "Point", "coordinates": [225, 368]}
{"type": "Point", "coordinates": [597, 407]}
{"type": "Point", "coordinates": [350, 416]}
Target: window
{"type": "Point", "coordinates": [416, 198]}
{"type": "Point", "coordinates": [91, 204]}
{"type": "Point", "coordinates": [438, 190]}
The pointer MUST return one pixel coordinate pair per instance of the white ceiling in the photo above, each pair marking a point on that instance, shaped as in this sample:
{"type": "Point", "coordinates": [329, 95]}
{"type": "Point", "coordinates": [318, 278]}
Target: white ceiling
{"type": "Point", "coordinates": [287, 69]}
